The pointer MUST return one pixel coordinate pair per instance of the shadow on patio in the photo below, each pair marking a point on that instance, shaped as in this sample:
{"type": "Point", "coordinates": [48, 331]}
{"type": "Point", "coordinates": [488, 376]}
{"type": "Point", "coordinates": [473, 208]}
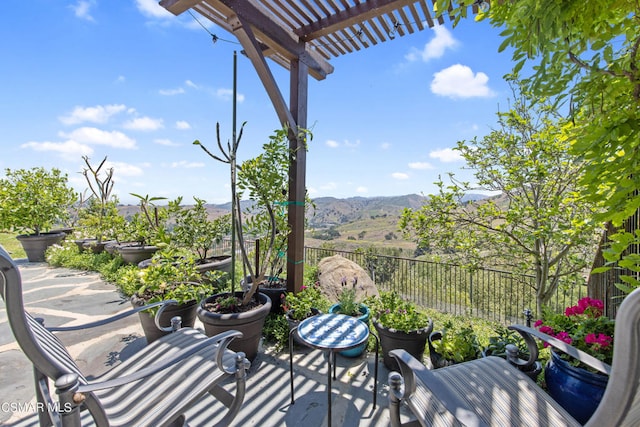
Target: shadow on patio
{"type": "Point", "coordinates": [68, 297]}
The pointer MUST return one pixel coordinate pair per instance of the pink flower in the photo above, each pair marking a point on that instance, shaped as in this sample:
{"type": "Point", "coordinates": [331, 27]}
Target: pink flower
{"type": "Point", "coordinates": [601, 340]}
{"type": "Point", "coordinates": [546, 330]}
{"type": "Point", "coordinates": [563, 336]}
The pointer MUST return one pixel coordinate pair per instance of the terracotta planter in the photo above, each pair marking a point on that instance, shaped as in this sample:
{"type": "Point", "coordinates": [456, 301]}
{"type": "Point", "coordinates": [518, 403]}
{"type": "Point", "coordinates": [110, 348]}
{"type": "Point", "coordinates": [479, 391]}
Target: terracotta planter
{"type": "Point", "coordinates": [35, 245]}
{"type": "Point", "coordinates": [414, 342]}
{"type": "Point", "coordinates": [250, 323]}
{"type": "Point", "coordinates": [186, 311]}
{"type": "Point", "coordinates": [364, 316]}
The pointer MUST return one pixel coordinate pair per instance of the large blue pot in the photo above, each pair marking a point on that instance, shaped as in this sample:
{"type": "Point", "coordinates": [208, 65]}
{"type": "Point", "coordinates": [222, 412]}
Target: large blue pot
{"type": "Point", "coordinates": [366, 313]}
{"type": "Point", "coordinates": [575, 389]}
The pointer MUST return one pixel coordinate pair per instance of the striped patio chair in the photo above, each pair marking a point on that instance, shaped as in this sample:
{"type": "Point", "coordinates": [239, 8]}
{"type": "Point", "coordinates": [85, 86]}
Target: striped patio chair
{"type": "Point", "coordinates": [154, 387]}
{"type": "Point", "coordinates": [493, 392]}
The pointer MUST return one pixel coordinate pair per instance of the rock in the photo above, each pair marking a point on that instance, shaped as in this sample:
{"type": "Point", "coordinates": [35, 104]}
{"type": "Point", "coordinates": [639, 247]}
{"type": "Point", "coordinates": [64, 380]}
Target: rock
{"type": "Point", "coordinates": [335, 270]}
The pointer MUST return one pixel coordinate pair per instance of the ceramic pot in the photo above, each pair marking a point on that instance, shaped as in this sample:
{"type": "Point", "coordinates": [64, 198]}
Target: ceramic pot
{"type": "Point", "coordinates": [577, 390]}
{"type": "Point", "coordinates": [414, 342]}
{"type": "Point", "coordinates": [365, 314]}
{"type": "Point", "coordinates": [250, 323]}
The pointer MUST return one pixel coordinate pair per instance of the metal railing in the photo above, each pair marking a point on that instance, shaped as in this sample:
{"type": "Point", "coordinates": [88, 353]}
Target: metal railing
{"type": "Point", "coordinates": [484, 293]}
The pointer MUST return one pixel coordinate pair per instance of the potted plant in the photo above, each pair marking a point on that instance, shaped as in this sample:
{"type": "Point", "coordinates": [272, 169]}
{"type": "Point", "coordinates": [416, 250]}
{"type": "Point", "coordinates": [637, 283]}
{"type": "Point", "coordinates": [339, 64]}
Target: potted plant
{"type": "Point", "coordinates": [33, 201]}
{"type": "Point", "coordinates": [165, 278]}
{"type": "Point", "coordinates": [310, 301]}
{"type": "Point", "coordinates": [455, 343]}
{"type": "Point", "coordinates": [507, 340]}
{"type": "Point", "coordinates": [399, 324]}
{"type": "Point", "coordinates": [195, 232]}
{"type": "Point", "coordinates": [348, 305]}
{"type": "Point", "coordinates": [576, 387]}
{"type": "Point", "coordinates": [146, 232]}
{"type": "Point", "coordinates": [99, 218]}
{"type": "Point", "coordinates": [261, 180]}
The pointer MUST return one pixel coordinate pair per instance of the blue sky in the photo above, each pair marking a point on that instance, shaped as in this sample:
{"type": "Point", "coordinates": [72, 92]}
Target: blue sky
{"type": "Point", "coordinates": [127, 80]}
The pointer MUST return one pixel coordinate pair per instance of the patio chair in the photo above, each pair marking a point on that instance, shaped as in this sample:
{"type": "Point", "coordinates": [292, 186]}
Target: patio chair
{"type": "Point", "coordinates": [493, 392]}
{"type": "Point", "coordinates": [154, 387]}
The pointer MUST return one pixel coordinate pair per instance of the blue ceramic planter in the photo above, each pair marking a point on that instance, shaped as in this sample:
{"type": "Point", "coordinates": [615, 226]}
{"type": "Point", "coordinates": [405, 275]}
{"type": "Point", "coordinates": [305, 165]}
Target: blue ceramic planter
{"type": "Point", "coordinates": [575, 389]}
{"type": "Point", "coordinates": [366, 313]}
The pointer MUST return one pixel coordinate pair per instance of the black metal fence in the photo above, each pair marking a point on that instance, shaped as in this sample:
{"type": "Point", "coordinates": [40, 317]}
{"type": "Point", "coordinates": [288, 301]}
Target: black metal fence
{"type": "Point", "coordinates": [484, 293]}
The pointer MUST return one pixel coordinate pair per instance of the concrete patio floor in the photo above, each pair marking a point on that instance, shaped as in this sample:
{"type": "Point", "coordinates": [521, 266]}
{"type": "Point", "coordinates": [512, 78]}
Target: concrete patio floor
{"type": "Point", "coordinates": [70, 297]}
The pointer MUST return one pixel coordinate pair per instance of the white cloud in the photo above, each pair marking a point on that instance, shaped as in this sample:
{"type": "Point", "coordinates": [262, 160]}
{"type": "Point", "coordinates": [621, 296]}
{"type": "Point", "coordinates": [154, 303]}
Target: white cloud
{"type": "Point", "coordinates": [227, 95]}
{"type": "Point", "coordinates": [183, 125]}
{"type": "Point", "coordinates": [152, 9]}
{"type": "Point", "coordinates": [170, 92]}
{"type": "Point", "coordinates": [187, 165]}
{"type": "Point", "coordinates": [420, 165]}
{"type": "Point", "coordinates": [459, 81]}
{"type": "Point", "coordinates": [362, 190]}
{"type": "Point", "coordinates": [399, 175]}
{"type": "Point", "coordinates": [191, 84]}
{"type": "Point", "coordinates": [166, 142]}
{"type": "Point", "coordinates": [436, 47]}
{"type": "Point", "coordinates": [124, 169]}
{"type": "Point", "coordinates": [91, 135]}
{"type": "Point", "coordinates": [81, 9]}
{"type": "Point", "coordinates": [144, 124]}
{"type": "Point", "coordinates": [97, 114]}
{"type": "Point", "coordinates": [446, 155]}
{"type": "Point", "coordinates": [331, 143]}
{"type": "Point", "coordinates": [121, 79]}
{"type": "Point", "coordinates": [329, 186]}
{"type": "Point", "coordinates": [385, 145]}
{"type": "Point", "coordinates": [70, 150]}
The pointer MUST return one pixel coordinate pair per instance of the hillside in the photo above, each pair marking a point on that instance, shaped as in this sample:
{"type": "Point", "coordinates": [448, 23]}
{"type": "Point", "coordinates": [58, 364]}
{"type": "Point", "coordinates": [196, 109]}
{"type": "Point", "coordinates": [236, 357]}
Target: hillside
{"type": "Point", "coordinates": [348, 223]}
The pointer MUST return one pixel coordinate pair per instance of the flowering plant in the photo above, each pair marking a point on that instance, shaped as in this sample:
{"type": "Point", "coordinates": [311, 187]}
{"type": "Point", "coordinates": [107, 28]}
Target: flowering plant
{"type": "Point", "coordinates": [299, 306]}
{"type": "Point", "coordinates": [391, 311]}
{"type": "Point", "coordinates": [583, 326]}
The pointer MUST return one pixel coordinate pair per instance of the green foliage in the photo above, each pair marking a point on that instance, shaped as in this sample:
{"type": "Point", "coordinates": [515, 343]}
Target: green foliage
{"type": "Point", "coordinates": [299, 304]}
{"type": "Point", "coordinates": [584, 55]}
{"type": "Point", "coordinates": [348, 303]}
{"type": "Point", "coordinates": [276, 331]}
{"type": "Point", "coordinates": [34, 200]}
{"type": "Point", "coordinates": [264, 180]}
{"type": "Point", "coordinates": [167, 277]}
{"type": "Point", "coordinates": [67, 255]}
{"type": "Point", "coordinates": [459, 342]}
{"type": "Point", "coordinates": [540, 225]}
{"type": "Point", "coordinates": [393, 312]}
{"type": "Point", "coordinates": [195, 231]}
{"type": "Point", "coordinates": [149, 225]}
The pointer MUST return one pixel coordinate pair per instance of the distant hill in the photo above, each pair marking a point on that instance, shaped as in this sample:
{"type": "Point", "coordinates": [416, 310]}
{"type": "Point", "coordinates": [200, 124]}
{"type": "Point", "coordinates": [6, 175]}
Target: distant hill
{"type": "Point", "coordinates": [348, 223]}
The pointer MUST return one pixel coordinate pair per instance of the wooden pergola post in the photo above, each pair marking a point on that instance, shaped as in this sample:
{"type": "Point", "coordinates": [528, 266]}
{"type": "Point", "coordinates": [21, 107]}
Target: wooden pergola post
{"type": "Point", "coordinates": [299, 77]}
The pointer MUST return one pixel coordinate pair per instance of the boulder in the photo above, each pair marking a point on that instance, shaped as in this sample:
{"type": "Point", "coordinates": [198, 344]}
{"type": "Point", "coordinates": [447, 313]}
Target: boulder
{"type": "Point", "coordinates": [336, 272]}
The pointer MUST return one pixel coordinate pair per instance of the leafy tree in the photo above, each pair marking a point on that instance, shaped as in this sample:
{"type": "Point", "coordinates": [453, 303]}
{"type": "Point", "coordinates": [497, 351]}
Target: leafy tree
{"type": "Point", "coordinates": [585, 52]}
{"type": "Point", "coordinates": [538, 225]}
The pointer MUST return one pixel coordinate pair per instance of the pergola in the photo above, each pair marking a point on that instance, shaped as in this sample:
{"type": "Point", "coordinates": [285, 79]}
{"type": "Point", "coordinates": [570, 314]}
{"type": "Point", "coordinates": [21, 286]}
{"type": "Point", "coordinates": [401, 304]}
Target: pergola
{"type": "Point", "coordinates": [302, 36]}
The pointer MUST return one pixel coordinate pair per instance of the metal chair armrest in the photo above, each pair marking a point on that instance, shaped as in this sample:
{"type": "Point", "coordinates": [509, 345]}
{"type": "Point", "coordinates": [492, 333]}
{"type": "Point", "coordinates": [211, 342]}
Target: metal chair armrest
{"type": "Point", "coordinates": [564, 347]}
{"type": "Point", "coordinates": [223, 339]}
{"type": "Point", "coordinates": [161, 304]}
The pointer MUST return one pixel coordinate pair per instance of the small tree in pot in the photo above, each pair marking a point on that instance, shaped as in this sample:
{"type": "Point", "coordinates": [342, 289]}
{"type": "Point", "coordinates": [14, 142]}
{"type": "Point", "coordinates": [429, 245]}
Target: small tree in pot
{"type": "Point", "coordinates": [33, 201]}
{"type": "Point", "coordinates": [264, 180]}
